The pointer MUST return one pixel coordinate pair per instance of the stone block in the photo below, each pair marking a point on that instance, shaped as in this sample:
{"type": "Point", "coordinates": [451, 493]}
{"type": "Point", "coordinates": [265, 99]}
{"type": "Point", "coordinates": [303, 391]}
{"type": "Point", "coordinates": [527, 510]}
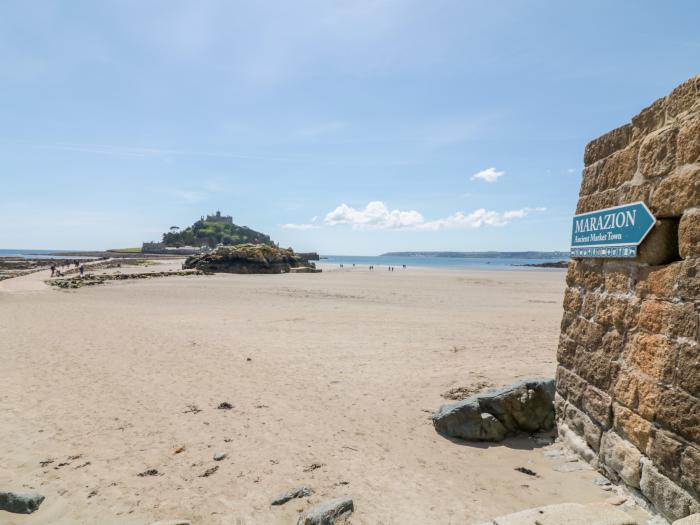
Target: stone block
{"type": "Point", "coordinates": [690, 471]}
{"type": "Point", "coordinates": [679, 412]}
{"type": "Point", "coordinates": [619, 277]}
{"type": "Point", "coordinates": [661, 244]}
{"type": "Point", "coordinates": [619, 312]}
{"type": "Point", "coordinates": [688, 375]}
{"type": "Point", "coordinates": [688, 144]}
{"type": "Point", "coordinates": [649, 119]}
{"type": "Point", "coordinates": [598, 405]}
{"type": "Point", "coordinates": [576, 443]}
{"type": "Point", "coordinates": [596, 367]}
{"type": "Point", "coordinates": [677, 192]}
{"type": "Point", "coordinates": [665, 452]}
{"type": "Point", "coordinates": [573, 298]}
{"type": "Point", "coordinates": [559, 406]}
{"type": "Point", "coordinates": [653, 354]}
{"type": "Point", "coordinates": [661, 282]}
{"type": "Point", "coordinates": [671, 500]}
{"type": "Point", "coordinates": [589, 178]}
{"type": "Point", "coordinates": [570, 386]}
{"type": "Point", "coordinates": [610, 172]}
{"type": "Point", "coordinates": [627, 193]}
{"type": "Point", "coordinates": [638, 393]}
{"type": "Point", "coordinates": [683, 97]}
{"type": "Point", "coordinates": [587, 333]}
{"type": "Point", "coordinates": [613, 344]}
{"type": "Point", "coordinates": [657, 154]}
{"type": "Point", "coordinates": [567, 319]}
{"type": "Point", "coordinates": [631, 426]}
{"type": "Point", "coordinates": [606, 144]}
{"type": "Point", "coordinates": [622, 457]}
{"type": "Point", "coordinates": [586, 274]}
{"type": "Point", "coordinates": [667, 318]}
{"type": "Point", "coordinates": [689, 233]}
{"type": "Point", "coordinates": [566, 351]}
{"type": "Point", "coordinates": [583, 426]}
{"type": "Point", "coordinates": [589, 305]}
{"type": "Point", "coordinates": [688, 283]}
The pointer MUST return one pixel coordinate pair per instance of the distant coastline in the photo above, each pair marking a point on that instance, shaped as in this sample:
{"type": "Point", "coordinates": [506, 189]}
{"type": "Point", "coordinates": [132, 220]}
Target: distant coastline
{"type": "Point", "coordinates": [482, 255]}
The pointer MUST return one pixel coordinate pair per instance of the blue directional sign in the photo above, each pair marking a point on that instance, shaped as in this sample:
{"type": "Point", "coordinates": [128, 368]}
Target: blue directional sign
{"type": "Point", "coordinates": [612, 232]}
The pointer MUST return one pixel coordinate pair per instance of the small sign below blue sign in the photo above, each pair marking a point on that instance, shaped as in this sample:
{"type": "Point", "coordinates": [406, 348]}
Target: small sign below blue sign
{"type": "Point", "coordinates": [612, 232]}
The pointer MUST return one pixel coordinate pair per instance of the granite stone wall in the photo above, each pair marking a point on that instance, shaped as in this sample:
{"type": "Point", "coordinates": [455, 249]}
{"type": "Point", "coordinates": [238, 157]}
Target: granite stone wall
{"type": "Point", "coordinates": [628, 376]}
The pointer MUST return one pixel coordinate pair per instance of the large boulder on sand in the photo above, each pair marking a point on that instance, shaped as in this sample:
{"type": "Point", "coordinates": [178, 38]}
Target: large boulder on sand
{"type": "Point", "coordinates": [247, 258]}
{"type": "Point", "coordinates": [526, 406]}
{"type": "Point", "coordinates": [20, 502]}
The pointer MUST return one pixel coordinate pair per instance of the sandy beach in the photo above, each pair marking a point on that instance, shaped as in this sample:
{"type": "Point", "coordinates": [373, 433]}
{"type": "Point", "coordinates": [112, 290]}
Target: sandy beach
{"type": "Point", "coordinates": [332, 378]}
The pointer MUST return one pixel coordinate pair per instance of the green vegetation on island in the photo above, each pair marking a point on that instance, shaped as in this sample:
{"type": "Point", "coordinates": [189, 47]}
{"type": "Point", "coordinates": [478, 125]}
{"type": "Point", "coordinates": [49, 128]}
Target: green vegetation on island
{"type": "Point", "coordinates": [212, 231]}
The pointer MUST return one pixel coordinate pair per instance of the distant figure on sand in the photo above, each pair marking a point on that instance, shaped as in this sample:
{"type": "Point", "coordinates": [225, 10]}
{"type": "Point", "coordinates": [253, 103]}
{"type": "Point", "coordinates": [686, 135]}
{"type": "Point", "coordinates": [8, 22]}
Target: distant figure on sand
{"type": "Point", "coordinates": [53, 270]}
{"type": "Point", "coordinates": [82, 270]}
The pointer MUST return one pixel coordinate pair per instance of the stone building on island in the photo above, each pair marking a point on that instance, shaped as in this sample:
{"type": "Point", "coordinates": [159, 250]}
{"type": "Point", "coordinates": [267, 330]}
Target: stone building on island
{"type": "Point", "coordinates": [628, 376]}
{"type": "Point", "coordinates": [217, 217]}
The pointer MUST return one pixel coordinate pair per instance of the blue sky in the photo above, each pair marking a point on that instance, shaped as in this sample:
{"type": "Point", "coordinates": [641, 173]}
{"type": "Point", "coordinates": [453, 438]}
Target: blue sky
{"type": "Point", "coordinates": [347, 127]}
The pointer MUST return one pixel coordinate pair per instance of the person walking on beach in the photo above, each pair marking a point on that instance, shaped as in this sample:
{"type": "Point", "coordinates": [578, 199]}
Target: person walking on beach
{"type": "Point", "coordinates": [53, 270]}
{"type": "Point", "coordinates": [82, 270]}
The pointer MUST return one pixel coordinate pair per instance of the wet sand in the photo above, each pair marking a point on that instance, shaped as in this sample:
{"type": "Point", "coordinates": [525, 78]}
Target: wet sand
{"type": "Point", "coordinates": [331, 376]}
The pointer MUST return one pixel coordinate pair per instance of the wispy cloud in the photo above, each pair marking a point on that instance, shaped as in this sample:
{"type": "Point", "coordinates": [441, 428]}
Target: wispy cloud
{"type": "Point", "coordinates": [376, 215]}
{"type": "Point", "coordinates": [488, 175]}
{"type": "Point", "coordinates": [308, 226]}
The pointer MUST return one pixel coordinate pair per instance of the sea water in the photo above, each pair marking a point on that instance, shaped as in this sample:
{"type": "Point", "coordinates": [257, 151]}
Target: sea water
{"type": "Point", "coordinates": [436, 262]}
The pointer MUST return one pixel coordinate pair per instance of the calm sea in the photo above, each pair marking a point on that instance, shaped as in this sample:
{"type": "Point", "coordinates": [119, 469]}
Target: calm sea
{"type": "Point", "coordinates": [436, 262]}
{"type": "Point", "coordinates": [37, 254]}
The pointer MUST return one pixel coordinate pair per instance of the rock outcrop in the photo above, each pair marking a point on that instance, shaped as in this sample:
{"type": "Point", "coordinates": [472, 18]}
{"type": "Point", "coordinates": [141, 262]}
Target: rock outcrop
{"type": "Point", "coordinates": [526, 406]}
{"type": "Point", "coordinates": [247, 258]}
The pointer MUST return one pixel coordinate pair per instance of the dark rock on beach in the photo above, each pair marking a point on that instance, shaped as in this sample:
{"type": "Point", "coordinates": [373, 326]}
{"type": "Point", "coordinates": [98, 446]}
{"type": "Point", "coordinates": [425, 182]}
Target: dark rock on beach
{"type": "Point", "coordinates": [20, 502]}
{"type": "Point", "coordinates": [526, 406]}
{"type": "Point", "coordinates": [554, 264]}
{"type": "Point", "coordinates": [248, 258]}
{"type": "Point", "coordinates": [299, 492]}
{"type": "Point", "coordinates": [328, 512]}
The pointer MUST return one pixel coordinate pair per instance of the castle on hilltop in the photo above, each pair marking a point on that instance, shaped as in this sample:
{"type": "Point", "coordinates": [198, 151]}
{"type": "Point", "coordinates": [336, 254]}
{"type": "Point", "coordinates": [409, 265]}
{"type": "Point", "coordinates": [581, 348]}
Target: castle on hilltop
{"type": "Point", "coordinates": [217, 217]}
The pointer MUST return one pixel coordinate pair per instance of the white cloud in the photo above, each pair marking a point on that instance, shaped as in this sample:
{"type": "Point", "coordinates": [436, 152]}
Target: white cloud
{"type": "Point", "coordinates": [292, 226]}
{"type": "Point", "coordinates": [488, 175]}
{"type": "Point", "coordinates": [376, 215]}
